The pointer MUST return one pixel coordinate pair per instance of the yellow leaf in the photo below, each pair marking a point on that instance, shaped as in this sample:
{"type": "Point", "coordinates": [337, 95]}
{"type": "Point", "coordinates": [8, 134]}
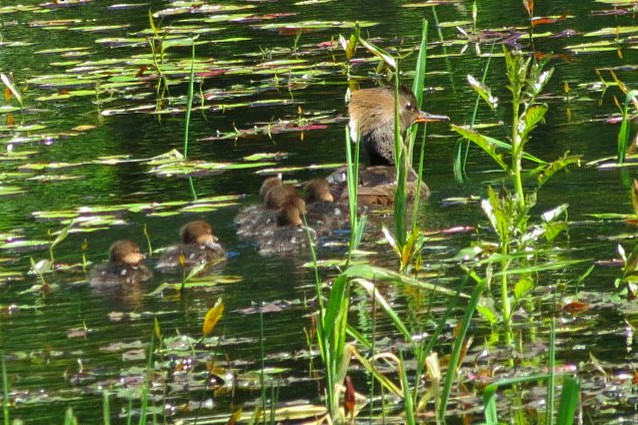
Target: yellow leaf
{"type": "Point", "coordinates": [7, 94]}
{"type": "Point", "coordinates": [212, 317]}
{"type": "Point", "coordinates": [235, 417]}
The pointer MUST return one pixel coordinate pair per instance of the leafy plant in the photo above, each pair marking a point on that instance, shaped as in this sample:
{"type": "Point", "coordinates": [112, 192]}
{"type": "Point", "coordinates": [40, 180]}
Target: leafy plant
{"type": "Point", "coordinates": [509, 211]}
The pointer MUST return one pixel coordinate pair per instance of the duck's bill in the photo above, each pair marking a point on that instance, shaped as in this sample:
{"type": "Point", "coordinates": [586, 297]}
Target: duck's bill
{"type": "Point", "coordinates": [427, 117]}
{"type": "Point", "coordinates": [213, 245]}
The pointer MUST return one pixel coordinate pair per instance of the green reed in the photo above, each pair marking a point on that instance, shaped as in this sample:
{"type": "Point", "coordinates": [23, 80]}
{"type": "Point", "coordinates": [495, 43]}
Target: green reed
{"type": "Point", "coordinates": [624, 139]}
{"type": "Point", "coordinates": [189, 109]}
{"type": "Point", "coordinates": [569, 398]}
{"type": "Point", "coordinates": [332, 318]}
{"type": "Point", "coordinates": [5, 392]}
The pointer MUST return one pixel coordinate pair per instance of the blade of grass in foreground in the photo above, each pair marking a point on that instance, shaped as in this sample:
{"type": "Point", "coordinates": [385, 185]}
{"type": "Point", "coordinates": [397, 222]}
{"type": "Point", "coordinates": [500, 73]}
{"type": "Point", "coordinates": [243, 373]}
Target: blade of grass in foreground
{"type": "Point", "coordinates": [623, 134]}
{"type": "Point", "coordinates": [106, 408]}
{"type": "Point", "coordinates": [189, 108]}
{"type": "Point", "coordinates": [417, 87]}
{"type": "Point", "coordinates": [5, 392]}
{"type": "Point", "coordinates": [458, 345]}
{"type": "Point", "coordinates": [357, 225]}
{"type": "Point", "coordinates": [400, 196]}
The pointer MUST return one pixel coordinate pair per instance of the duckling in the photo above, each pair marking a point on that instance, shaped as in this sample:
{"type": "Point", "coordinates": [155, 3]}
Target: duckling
{"type": "Point", "coordinates": [252, 220]}
{"type": "Point", "coordinates": [199, 246]}
{"type": "Point", "coordinates": [125, 266]}
{"type": "Point", "coordinates": [322, 213]}
{"type": "Point", "coordinates": [289, 236]}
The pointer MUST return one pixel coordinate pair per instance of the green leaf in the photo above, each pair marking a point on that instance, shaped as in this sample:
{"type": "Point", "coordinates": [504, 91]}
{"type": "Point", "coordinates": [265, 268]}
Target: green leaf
{"type": "Point", "coordinates": [7, 79]}
{"type": "Point", "coordinates": [625, 127]}
{"type": "Point", "coordinates": [375, 50]}
{"type": "Point", "coordinates": [482, 142]}
{"type": "Point", "coordinates": [568, 401]}
{"type": "Point", "coordinates": [522, 287]}
{"type": "Point", "coordinates": [487, 313]}
{"type": "Point", "coordinates": [547, 171]}
{"type": "Point", "coordinates": [530, 119]}
{"type": "Point", "coordinates": [373, 274]}
{"type": "Point", "coordinates": [483, 91]}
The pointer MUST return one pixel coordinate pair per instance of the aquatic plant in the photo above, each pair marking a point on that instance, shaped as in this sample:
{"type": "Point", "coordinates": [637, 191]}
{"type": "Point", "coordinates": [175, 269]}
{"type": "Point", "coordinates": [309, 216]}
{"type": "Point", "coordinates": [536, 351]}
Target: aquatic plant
{"type": "Point", "coordinates": [624, 134]}
{"type": "Point", "coordinates": [332, 317]}
{"type": "Point", "coordinates": [569, 398]}
{"type": "Point", "coordinates": [509, 211]}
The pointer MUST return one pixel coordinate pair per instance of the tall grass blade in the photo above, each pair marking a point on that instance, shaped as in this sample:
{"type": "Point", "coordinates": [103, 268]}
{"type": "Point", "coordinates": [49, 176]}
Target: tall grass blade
{"type": "Point", "coordinates": [106, 408]}
{"type": "Point", "coordinates": [401, 168]}
{"type": "Point", "coordinates": [5, 392]}
{"type": "Point", "coordinates": [568, 401]}
{"type": "Point", "coordinates": [357, 225]}
{"type": "Point", "coordinates": [418, 86]}
{"type": "Point", "coordinates": [408, 403]}
{"type": "Point", "coordinates": [624, 132]}
{"type": "Point", "coordinates": [69, 418]}
{"type": "Point", "coordinates": [551, 381]}
{"type": "Point", "coordinates": [189, 108]}
{"type": "Point", "coordinates": [457, 348]}
{"type": "Point", "coordinates": [189, 100]}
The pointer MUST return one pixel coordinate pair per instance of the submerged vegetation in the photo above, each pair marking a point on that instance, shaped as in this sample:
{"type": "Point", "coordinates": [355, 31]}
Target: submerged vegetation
{"type": "Point", "coordinates": [416, 312]}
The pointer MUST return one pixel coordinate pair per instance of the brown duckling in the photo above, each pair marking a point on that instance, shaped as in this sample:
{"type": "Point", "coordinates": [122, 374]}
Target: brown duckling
{"type": "Point", "coordinates": [252, 220]}
{"type": "Point", "coordinates": [199, 246]}
{"type": "Point", "coordinates": [322, 213]}
{"type": "Point", "coordinates": [125, 266]}
{"type": "Point", "coordinates": [289, 236]}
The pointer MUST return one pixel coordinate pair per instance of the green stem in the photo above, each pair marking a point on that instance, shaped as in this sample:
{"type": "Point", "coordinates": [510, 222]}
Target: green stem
{"type": "Point", "coordinates": [517, 153]}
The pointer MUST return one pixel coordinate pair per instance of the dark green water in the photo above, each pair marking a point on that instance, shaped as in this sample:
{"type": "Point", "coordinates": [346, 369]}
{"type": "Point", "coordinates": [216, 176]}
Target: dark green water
{"type": "Point", "coordinates": [43, 362]}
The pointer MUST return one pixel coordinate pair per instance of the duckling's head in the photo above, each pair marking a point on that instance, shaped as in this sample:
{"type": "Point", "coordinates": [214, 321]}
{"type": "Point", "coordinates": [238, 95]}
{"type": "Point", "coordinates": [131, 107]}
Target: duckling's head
{"type": "Point", "coordinates": [268, 184]}
{"type": "Point", "coordinates": [318, 190]}
{"type": "Point", "coordinates": [197, 232]}
{"type": "Point", "coordinates": [125, 252]}
{"type": "Point", "coordinates": [289, 215]}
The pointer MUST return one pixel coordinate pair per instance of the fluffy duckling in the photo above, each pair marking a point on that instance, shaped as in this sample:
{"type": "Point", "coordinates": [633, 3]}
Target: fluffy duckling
{"type": "Point", "coordinates": [125, 266]}
{"type": "Point", "coordinates": [289, 236]}
{"type": "Point", "coordinates": [199, 246]}
{"type": "Point", "coordinates": [323, 214]}
{"type": "Point", "coordinates": [253, 220]}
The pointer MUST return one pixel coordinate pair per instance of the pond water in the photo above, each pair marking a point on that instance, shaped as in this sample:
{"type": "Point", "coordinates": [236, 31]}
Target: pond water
{"type": "Point", "coordinates": [93, 119]}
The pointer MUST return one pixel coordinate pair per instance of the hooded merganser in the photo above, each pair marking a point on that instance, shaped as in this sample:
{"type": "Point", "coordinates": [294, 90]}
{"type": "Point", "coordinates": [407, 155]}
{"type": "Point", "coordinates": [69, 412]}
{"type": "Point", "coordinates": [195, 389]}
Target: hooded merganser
{"type": "Point", "coordinates": [199, 246]}
{"type": "Point", "coordinates": [372, 120]}
{"type": "Point", "coordinates": [125, 266]}
{"type": "Point", "coordinates": [372, 123]}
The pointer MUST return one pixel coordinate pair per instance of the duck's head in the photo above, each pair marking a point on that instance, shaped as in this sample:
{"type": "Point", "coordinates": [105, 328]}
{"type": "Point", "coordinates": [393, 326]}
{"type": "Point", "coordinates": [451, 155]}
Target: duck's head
{"type": "Point", "coordinates": [372, 120]}
{"type": "Point", "coordinates": [290, 215]}
{"type": "Point", "coordinates": [318, 190]}
{"type": "Point", "coordinates": [197, 232]}
{"type": "Point", "coordinates": [125, 252]}
{"type": "Point", "coordinates": [268, 184]}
